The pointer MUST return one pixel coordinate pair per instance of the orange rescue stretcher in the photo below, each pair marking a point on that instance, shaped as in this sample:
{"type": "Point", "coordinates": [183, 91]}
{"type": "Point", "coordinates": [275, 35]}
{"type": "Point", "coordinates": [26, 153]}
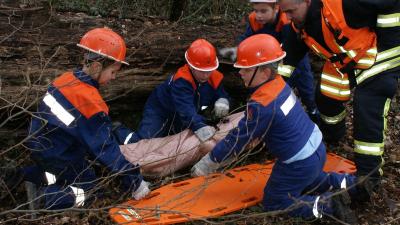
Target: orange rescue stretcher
{"type": "Point", "coordinates": [207, 197]}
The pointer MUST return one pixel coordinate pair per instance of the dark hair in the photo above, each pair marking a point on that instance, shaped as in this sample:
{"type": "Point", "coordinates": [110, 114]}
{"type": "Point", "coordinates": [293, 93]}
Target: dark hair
{"type": "Point", "coordinates": [94, 57]}
{"type": "Point", "coordinates": [273, 67]}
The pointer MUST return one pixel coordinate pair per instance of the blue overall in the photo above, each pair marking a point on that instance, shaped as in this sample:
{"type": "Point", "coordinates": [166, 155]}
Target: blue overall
{"type": "Point", "coordinates": [276, 117]}
{"type": "Point", "coordinates": [72, 125]}
{"type": "Point", "coordinates": [302, 77]}
{"type": "Point", "coordinates": [175, 104]}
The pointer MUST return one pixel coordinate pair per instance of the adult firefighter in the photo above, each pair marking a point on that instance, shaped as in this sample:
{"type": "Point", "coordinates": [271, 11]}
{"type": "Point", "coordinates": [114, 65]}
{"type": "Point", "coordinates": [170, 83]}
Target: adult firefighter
{"type": "Point", "coordinates": [276, 117]}
{"type": "Point", "coordinates": [72, 125]}
{"type": "Point", "coordinates": [359, 39]}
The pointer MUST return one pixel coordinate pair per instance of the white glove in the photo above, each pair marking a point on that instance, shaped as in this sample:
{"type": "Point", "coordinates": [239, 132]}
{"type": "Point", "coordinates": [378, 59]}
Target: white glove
{"type": "Point", "coordinates": [204, 166]}
{"type": "Point", "coordinates": [229, 53]}
{"type": "Point", "coordinates": [205, 133]}
{"type": "Point", "coordinates": [142, 190]}
{"type": "Point", "coordinates": [221, 107]}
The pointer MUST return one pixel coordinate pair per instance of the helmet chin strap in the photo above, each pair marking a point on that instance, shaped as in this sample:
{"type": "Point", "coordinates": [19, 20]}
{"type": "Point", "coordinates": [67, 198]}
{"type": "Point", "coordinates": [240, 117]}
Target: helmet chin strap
{"type": "Point", "coordinates": [191, 73]}
{"type": "Point", "coordinates": [252, 77]}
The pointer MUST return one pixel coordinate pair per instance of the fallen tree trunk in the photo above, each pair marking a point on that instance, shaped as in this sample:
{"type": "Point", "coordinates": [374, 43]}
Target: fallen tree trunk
{"type": "Point", "coordinates": [37, 44]}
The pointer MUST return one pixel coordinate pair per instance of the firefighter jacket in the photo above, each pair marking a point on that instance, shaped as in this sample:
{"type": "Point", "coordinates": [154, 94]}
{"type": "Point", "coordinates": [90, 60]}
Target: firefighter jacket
{"type": "Point", "coordinates": [275, 116]}
{"type": "Point", "coordinates": [358, 40]}
{"type": "Point", "coordinates": [182, 95]}
{"type": "Point", "coordinates": [72, 123]}
{"type": "Point", "coordinates": [276, 29]}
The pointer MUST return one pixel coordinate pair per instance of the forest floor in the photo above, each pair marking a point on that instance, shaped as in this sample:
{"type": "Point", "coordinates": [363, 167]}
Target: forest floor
{"type": "Point", "coordinates": [383, 209]}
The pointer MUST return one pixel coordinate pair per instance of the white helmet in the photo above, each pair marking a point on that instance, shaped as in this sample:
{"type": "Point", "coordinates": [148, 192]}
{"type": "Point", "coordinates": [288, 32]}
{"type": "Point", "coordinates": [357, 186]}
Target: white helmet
{"type": "Point", "coordinates": [263, 1]}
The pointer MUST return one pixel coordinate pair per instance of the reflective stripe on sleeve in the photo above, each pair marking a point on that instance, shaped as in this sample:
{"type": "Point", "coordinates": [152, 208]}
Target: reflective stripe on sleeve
{"type": "Point", "coordinates": [343, 184]}
{"type": "Point", "coordinates": [128, 138]}
{"type": "Point", "coordinates": [62, 114]}
{"type": "Point", "coordinates": [285, 70]}
{"type": "Point", "coordinates": [288, 104]}
{"type": "Point", "coordinates": [389, 53]}
{"type": "Point", "coordinates": [379, 68]}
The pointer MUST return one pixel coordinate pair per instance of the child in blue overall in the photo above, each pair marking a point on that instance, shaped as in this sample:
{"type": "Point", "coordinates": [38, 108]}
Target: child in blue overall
{"type": "Point", "coordinates": [276, 117]}
{"type": "Point", "coordinates": [176, 103]}
{"type": "Point", "coordinates": [72, 124]}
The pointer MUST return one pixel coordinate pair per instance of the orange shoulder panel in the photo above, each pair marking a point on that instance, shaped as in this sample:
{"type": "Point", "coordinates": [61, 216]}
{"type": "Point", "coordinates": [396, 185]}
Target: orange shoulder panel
{"type": "Point", "coordinates": [283, 20]}
{"type": "Point", "coordinates": [269, 91]}
{"type": "Point", "coordinates": [215, 79]}
{"type": "Point", "coordinates": [255, 26]}
{"type": "Point", "coordinates": [184, 73]}
{"type": "Point", "coordinates": [85, 98]}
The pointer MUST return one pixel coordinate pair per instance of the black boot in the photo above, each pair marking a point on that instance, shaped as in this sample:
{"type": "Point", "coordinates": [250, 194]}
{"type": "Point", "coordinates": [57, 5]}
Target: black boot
{"type": "Point", "coordinates": [365, 187]}
{"type": "Point", "coordinates": [341, 208]}
{"type": "Point", "coordinates": [333, 133]}
{"type": "Point", "coordinates": [10, 179]}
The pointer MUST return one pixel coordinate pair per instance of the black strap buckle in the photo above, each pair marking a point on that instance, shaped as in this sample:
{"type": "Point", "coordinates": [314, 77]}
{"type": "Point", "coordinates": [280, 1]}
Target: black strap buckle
{"type": "Point", "coordinates": [338, 58]}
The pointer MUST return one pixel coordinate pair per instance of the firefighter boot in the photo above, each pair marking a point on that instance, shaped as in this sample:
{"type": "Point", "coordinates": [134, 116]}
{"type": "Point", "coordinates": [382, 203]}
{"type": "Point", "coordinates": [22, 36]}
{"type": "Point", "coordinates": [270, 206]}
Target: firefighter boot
{"type": "Point", "coordinates": [341, 208]}
{"type": "Point", "coordinates": [363, 190]}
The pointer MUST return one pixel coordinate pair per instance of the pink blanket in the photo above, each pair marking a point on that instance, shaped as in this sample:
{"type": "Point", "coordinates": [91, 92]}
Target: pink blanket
{"type": "Point", "coordinates": [163, 156]}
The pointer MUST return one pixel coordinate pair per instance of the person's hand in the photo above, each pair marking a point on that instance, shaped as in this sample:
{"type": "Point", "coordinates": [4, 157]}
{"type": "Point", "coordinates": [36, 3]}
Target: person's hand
{"type": "Point", "coordinates": [221, 107]}
{"type": "Point", "coordinates": [123, 134]}
{"type": "Point", "coordinates": [142, 191]}
{"type": "Point", "coordinates": [204, 166]}
{"type": "Point", "coordinates": [229, 53]}
{"type": "Point", "coordinates": [205, 133]}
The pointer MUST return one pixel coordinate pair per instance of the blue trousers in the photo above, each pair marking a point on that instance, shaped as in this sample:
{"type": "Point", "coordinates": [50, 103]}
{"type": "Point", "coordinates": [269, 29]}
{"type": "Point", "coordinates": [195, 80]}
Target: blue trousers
{"type": "Point", "coordinates": [73, 186]}
{"type": "Point", "coordinates": [296, 186]}
{"type": "Point", "coordinates": [303, 79]}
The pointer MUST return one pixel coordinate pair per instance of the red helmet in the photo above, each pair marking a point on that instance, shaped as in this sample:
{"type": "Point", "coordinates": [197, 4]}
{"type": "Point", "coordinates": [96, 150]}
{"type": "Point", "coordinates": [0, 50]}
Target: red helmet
{"type": "Point", "coordinates": [202, 56]}
{"type": "Point", "coordinates": [257, 50]}
{"type": "Point", "coordinates": [105, 42]}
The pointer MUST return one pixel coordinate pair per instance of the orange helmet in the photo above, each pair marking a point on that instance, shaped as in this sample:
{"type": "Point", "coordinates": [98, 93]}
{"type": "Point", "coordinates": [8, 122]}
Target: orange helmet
{"type": "Point", "coordinates": [257, 50]}
{"type": "Point", "coordinates": [105, 42]}
{"type": "Point", "coordinates": [201, 55]}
